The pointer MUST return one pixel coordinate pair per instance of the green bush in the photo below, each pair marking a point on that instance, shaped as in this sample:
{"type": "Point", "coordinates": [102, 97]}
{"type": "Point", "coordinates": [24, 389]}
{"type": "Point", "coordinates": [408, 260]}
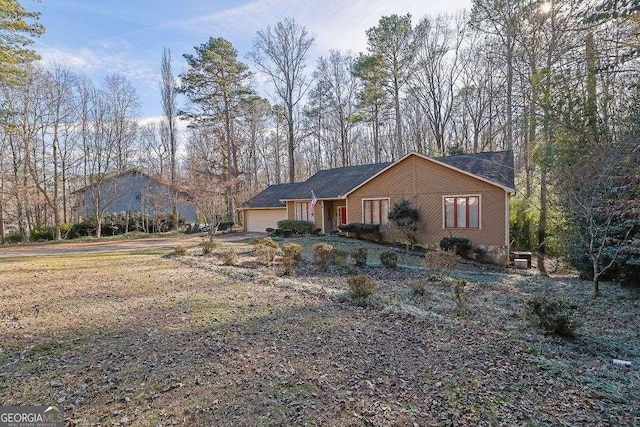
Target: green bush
{"type": "Point", "coordinates": [179, 251]}
{"type": "Point", "coordinates": [225, 225]}
{"type": "Point", "coordinates": [42, 233]}
{"type": "Point", "coordinates": [362, 286]}
{"type": "Point", "coordinates": [389, 259]}
{"type": "Point", "coordinates": [13, 238]}
{"type": "Point", "coordinates": [322, 255]}
{"type": "Point", "coordinates": [296, 226]}
{"type": "Point", "coordinates": [81, 229]}
{"type": "Point", "coordinates": [552, 316]}
{"type": "Point", "coordinates": [405, 217]}
{"type": "Point", "coordinates": [359, 256]}
{"type": "Point", "coordinates": [363, 231]}
{"type": "Point", "coordinates": [278, 232]}
{"type": "Point", "coordinates": [460, 245]}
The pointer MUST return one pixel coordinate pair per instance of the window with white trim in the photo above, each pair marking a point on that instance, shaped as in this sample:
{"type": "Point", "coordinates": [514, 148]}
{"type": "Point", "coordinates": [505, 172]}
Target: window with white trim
{"type": "Point", "coordinates": [301, 211]}
{"type": "Point", "coordinates": [375, 211]}
{"type": "Point", "coordinates": [462, 212]}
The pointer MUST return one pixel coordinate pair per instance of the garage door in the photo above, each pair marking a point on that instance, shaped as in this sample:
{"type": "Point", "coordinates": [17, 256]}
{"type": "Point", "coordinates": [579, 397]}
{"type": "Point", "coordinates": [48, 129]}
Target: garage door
{"type": "Point", "coordinates": [261, 219]}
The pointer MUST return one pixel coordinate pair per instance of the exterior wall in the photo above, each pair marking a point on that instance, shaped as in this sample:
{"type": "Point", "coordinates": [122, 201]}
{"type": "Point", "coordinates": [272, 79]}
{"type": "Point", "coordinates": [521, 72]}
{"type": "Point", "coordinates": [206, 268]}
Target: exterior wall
{"type": "Point", "coordinates": [424, 184]}
{"type": "Point", "coordinates": [317, 213]}
{"type": "Point", "coordinates": [133, 192]}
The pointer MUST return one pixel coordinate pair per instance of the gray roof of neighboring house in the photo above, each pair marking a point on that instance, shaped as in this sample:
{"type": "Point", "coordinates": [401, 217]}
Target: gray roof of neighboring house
{"type": "Point", "coordinates": [334, 183]}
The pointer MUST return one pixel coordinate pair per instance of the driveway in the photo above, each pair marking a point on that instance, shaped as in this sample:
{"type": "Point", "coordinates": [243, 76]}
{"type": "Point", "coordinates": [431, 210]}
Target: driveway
{"type": "Point", "coordinates": [98, 246]}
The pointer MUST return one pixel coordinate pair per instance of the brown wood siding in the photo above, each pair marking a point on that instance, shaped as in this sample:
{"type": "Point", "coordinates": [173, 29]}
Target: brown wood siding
{"type": "Point", "coordinates": [424, 183]}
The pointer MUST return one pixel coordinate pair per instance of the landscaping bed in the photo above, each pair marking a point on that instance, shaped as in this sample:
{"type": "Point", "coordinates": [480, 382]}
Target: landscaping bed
{"type": "Point", "coordinates": [159, 339]}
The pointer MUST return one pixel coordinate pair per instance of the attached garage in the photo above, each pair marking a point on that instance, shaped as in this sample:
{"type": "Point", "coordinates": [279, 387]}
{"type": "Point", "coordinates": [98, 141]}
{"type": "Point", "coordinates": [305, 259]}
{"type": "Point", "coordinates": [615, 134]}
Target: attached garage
{"type": "Point", "coordinates": [259, 220]}
{"type": "Point", "coordinates": [266, 208]}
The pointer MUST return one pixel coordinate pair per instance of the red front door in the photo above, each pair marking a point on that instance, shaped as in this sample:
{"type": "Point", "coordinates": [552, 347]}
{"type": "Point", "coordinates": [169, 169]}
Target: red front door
{"type": "Point", "coordinates": [342, 215]}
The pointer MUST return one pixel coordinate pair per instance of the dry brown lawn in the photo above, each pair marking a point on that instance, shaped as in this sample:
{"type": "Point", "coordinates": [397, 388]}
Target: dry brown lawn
{"type": "Point", "coordinates": [146, 339]}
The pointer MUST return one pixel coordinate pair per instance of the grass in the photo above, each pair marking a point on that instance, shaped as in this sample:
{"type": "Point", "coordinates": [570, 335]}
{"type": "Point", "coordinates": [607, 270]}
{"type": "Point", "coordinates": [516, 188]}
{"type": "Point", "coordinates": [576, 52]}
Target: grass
{"type": "Point", "coordinates": [126, 338]}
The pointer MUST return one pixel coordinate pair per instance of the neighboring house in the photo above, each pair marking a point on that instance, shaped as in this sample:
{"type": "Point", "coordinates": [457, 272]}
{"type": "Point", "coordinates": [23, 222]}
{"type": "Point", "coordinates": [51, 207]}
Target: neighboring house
{"type": "Point", "coordinates": [132, 191]}
{"type": "Point", "coordinates": [459, 196]}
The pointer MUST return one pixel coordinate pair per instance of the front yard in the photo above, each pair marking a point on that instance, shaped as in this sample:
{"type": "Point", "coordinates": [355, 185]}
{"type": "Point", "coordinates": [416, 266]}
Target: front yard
{"type": "Point", "coordinates": [149, 339]}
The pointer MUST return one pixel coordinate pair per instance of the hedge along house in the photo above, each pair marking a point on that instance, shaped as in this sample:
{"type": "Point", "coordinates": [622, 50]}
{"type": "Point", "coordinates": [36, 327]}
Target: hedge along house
{"type": "Point", "coordinates": [457, 196]}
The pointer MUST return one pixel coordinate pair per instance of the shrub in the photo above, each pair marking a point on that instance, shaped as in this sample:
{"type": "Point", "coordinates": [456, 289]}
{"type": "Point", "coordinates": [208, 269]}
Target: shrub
{"type": "Point", "coordinates": [81, 229]}
{"type": "Point", "coordinates": [440, 261]}
{"type": "Point", "coordinates": [404, 217]}
{"type": "Point", "coordinates": [65, 229]}
{"type": "Point", "coordinates": [322, 255]}
{"type": "Point", "coordinates": [291, 255]}
{"type": "Point", "coordinates": [13, 238]}
{"type": "Point", "coordinates": [225, 225]}
{"type": "Point", "coordinates": [288, 263]}
{"type": "Point", "coordinates": [278, 232]}
{"type": "Point", "coordinates": [389, 259]}
{"type": "Point", "coordinates": [268, 241]}
{"type": "Point", "coordinates": [459, 296]}
{"type": "Point", "coordinates": [362, 286]}
{"type": "Point", "coordinates": [179, 251]}
{"type": "Point", "coordinates": [209, 246]}
{"type": "Point", "coordinates": [270, 230]}
{"type": "Point", "coordinates": [229, 257]}
{"type": "Point", "coordinates": [479, 253]}
{"type": "Point", "coordinates": [296, 226]}
{"type": "Point", "coordinates": [266, 253]}
{"type": "Point", "coordinates": [363, 231]}
{"type": "Point", "coordinates": [359, 256]}
{"type": "Point", "coordinates": [339, 257]}
{"type": "Point", "coordinates": [42, 233]}
{"type": "Point", "coordinates": [418, 287]}
{"type": "Point", "coordinates": [293, 251]}
{"type": "Point", "coordinates": [551, 316]}
{"type": "Point", "coordinates": [460, 245]}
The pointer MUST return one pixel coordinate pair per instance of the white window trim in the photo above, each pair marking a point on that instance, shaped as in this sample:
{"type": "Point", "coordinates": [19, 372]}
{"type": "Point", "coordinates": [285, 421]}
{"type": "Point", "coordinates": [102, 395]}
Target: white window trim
{"type": "Point", "coordinates": [388, 199]}
{"type": "Point", "coordinates": [444, 224]}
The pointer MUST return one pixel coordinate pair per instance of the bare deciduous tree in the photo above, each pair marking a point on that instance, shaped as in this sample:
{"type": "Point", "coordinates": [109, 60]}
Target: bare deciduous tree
{"type": "Point", "coordinates": [280, 53]}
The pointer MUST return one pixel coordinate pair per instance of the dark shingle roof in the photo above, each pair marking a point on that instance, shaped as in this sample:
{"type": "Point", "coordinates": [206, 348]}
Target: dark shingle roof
{"type": "Point", "coordinates": [334, 183]}
{"type": "Point", "coordinates": [270, 197]}
{"type": "Point", "coordinates": [496, 166]}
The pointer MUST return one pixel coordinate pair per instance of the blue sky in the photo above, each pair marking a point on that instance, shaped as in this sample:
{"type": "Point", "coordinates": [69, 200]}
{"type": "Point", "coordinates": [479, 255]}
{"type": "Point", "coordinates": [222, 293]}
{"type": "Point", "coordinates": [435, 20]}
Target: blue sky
{"type": "Point", "coordinates": [98, 37]}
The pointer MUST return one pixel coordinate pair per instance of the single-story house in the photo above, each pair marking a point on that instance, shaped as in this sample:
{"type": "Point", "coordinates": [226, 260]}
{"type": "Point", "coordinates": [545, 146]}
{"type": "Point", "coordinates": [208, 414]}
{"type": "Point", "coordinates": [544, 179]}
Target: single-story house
{"type": "Point", "coordinates": [133, 191]}
{"type": "Point", "coordinates": [457, 196]}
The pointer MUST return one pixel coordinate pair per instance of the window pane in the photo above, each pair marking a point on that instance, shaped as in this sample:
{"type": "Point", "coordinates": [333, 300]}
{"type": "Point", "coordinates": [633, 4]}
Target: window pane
{"type": "Point", "coordinates": [461, 212]}
{"type": "Point", "coordinates": [474, 212]}
{"type": "Point", "coordinates": [448, 212]}
{"type": "Point", "coordinates": [367, 212]}
{"type": "Point", "coordinates": [376, 212]}
{"type": "Point", "coordinates": [385, 212]}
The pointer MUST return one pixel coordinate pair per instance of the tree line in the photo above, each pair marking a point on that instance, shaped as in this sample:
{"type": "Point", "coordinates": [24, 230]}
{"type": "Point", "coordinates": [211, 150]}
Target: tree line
{"type": "Point", "coordinates": [554, 81]}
